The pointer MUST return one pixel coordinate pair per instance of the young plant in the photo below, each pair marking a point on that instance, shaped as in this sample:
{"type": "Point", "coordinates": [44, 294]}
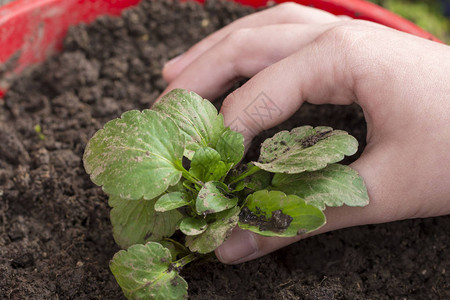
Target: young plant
{"type": "Point", "coordinates": [176, 168]}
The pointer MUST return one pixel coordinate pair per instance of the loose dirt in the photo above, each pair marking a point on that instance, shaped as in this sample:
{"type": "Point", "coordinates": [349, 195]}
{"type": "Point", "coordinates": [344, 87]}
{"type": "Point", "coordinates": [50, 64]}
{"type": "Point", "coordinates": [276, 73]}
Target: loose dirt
{"type": "Point", "coordinates": [55, 234]}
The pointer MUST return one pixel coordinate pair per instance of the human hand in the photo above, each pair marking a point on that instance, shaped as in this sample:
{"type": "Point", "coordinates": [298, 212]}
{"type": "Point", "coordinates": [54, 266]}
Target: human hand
{"type": "Point", "coordinates": [295, 54]}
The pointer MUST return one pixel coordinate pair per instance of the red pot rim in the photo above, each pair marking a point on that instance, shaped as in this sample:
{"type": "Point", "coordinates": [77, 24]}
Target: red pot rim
{"type": "Point", "coordinates": [31, 30]}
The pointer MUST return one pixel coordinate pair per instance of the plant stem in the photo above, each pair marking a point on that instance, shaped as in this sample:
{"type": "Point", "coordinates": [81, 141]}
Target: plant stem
{"type": "Point", "coordinates": [247, 173]}
{"type": "Point", "coordinates": [177, 244]}
{"type": "Point", "coordinates": [186, 185]}
{"type": "Point", "coordinates": [185, 260]}
{"type": "Point", "coordinates": [191, 178]}
{"type": "Point", "coordinates": [188, 175]}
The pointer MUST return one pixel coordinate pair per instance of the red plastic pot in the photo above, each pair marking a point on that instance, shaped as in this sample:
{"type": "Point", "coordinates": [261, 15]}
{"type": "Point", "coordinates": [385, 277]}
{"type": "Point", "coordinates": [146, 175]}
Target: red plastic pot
{"type": "Point", "coordinates": [30, 30]}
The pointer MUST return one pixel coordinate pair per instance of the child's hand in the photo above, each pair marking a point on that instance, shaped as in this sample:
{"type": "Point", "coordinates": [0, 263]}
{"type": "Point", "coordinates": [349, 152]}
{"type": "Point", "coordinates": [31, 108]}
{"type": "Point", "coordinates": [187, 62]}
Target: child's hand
{"type": "Point", "coordinates": [295, 54]}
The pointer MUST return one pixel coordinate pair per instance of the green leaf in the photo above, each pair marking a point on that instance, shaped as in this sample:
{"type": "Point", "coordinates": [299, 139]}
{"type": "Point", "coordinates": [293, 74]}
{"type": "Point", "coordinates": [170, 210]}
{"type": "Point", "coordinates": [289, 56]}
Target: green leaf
{"type": "Point", "coordinates": [335, 185]}
{"type": "Point", "coordinates": [176, 249]}
{"type": "Point", "coordinates": [196, 117]}
{"type": "Point", "coordinates": [206, 165]}
{"type": "Point", "coordinates": [202, 160]}
{"type": "Point", "coordinates": [136, 221]}
{"type": "Point", "coordinates": [239, 187]}
{"type": "Point", "coordinates": [231, 146]}
{"type": "Point", "coordinates": [146, 272]}
{"type": "Point", "coordinates": [217, 171]}
{"type": "Point", "coordinates": [276, 214]}
{"type": "Point", "coordinates": [216, 233]}
{"type": "Point", "coordinates": [136, 156]}
{"type": "Point", "coordinates": [171, 201]}
{"type": "Point", "coordinates": [211, 198]}
{"type": "Point", "coordinates": [305, 149]}
{"type": "Point", "coordinates": [193, 226]}
{"type": "Point", "coordinates": [258, 181]}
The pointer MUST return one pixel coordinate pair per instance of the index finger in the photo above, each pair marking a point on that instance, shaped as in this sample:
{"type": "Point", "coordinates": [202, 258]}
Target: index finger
{"type": "Point", "coordinates": [286, 13]}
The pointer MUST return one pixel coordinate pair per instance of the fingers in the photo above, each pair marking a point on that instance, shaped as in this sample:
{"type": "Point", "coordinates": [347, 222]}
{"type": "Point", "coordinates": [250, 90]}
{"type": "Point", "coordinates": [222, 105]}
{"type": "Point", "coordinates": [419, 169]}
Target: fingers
{"type": "Point", "coordinates": [330, 67]}
{"type": "Point", "coordinates": [317, 73]}
{"type": "Point", "coordinates": [323, 72]}
{"type": "Point", "coordinates": [402, 171]}
{"type": "Point", "coordinates": [243, 53]}
{"type": "Point", "coordinates": [287, 13]}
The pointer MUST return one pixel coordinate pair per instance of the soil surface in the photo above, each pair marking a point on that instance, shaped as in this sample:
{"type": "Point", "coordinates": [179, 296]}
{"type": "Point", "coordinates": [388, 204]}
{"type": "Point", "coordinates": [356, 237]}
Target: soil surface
{"type": "Point", "coordinates": [55, 234]}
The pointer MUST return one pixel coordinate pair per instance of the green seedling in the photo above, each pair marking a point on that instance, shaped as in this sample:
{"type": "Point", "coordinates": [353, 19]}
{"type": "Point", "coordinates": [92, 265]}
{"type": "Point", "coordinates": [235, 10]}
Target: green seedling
{"type": "Point", "coordinates": [38, 130]}
{"type": "Point", "coordinates": [177, 168]}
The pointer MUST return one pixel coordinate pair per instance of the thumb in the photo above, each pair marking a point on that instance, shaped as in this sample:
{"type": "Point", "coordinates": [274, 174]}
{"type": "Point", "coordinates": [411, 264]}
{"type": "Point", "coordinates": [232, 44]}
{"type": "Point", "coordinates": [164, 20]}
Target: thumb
{"type": "Point", "coordinates": [245, 245]}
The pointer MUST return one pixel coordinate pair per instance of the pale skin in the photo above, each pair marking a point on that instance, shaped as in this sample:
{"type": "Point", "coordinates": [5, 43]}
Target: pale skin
{"type": "Point", "coordinates": [296, 54]}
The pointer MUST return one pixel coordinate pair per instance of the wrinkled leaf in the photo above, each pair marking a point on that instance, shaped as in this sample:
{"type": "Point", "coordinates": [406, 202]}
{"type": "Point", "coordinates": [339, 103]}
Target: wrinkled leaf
{"type": "Point", "coordinates": [193, 226]}
{"type": "Point", "coordinates": [196, 117]}
{"type": "Point", "coordinates": [206, 165]}
{"type": "Point", "coordinates": [335, 185]}
{"type": "Point", "coordinates": [231, 146]}
{"type": "Point", "coordinates": [305, 149]}
{"type": "Point", "coordinates": [216, 233]}
{"type": "Point", "coordinates": [136, 221]}
{"type": "Point", "coordinates": [171, 201]}
{"type": "Point", "coordinates": [145, 272]}
{"type": "Point", "coordinates": [277, 214]}
{"type": "Point", "coordinates": [211, 198]}
{"type": "Point", "coordinates": [136, 156]}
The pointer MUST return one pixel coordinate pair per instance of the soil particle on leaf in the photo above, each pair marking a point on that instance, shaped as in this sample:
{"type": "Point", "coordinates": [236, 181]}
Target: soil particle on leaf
{"type": "Point", "coordinates": [171, 268]}
{"type": "Point", "coordinates": [278, 222]}
{"type": "Point", "coordinates": [52, 217]}
{"type": "Point", "coordinates": [174, 282]}
{"type": "Point", "coordinates": [314, 139]}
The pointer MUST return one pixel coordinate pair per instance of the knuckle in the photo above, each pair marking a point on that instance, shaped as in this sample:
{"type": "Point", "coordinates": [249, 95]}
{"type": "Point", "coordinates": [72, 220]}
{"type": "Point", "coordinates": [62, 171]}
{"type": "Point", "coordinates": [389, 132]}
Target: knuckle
{"type": "Point", "coordinates": [287, 7]}
{"type": "Point", "coordinates": [365, 24]}
{"type": "Point", "coordinates": [342, 34]}
{"type": "Point", "coordinates": [349, 34]}
{"type": "Point", "coordinates": [238, 37]}
{"type": "Point", "coordinates": [237, 45]}
{"type": "Point", "coordinates": [349, 39]}
{"type": "Point", "coordinates": [348, 47]}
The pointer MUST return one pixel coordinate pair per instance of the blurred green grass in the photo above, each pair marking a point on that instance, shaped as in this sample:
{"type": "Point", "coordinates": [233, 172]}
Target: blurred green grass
{"type": "Point", "coordinates": [428, 14]}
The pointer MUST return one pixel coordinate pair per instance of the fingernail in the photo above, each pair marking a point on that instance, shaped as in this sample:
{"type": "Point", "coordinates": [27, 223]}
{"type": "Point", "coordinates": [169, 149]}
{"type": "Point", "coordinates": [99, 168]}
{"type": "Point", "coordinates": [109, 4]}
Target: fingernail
{"type": "Point", "coordinates": [240, 245]}
{"type": "Point", "coordinates": [173, 60]}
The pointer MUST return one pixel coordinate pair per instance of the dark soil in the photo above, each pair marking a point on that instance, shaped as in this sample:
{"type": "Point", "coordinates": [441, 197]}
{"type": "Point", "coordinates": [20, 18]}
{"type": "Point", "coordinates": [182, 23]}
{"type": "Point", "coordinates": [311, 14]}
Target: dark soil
{"type": "Point", "coordinates": [278, 222]}
{"type": "Point", "coordinates": [55, 234]}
